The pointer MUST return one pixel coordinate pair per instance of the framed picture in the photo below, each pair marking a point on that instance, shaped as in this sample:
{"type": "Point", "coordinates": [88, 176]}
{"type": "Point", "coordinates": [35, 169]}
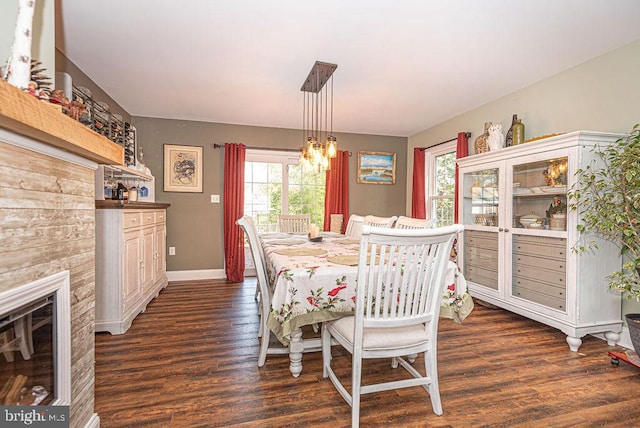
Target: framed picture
{"type": "Point", "coordinates": [182, 168]}
{"type": "Point", "coordinates": [376, 168]}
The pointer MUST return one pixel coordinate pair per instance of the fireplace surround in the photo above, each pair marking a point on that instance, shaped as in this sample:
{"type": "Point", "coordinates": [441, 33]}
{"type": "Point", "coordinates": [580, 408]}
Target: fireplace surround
{"type": "Point", "coordinates": [18, 304]}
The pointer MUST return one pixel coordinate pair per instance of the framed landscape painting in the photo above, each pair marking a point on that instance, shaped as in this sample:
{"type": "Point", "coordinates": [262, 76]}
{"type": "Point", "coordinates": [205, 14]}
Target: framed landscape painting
{"type": "Point", "coordinates": [376, 168]}
{"type": "Point", "coordinates": [182, 168]}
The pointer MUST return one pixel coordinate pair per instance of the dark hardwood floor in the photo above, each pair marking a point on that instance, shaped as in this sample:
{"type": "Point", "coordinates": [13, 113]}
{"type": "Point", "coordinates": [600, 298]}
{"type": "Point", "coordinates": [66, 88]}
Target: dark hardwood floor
{"type": "Point", "coordinates": [191, 361]}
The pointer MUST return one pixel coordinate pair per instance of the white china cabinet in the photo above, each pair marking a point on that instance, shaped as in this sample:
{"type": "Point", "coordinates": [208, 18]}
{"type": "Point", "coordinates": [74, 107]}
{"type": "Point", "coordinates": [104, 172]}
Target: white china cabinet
{"type": "Point", "coordinates": [516, 258]}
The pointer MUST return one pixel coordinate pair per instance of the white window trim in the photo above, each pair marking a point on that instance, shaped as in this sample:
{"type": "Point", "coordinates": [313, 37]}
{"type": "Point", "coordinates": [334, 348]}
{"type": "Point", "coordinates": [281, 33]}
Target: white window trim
{"type": "Point", "coordinates": [274, 156]}
{"type": "Point", "coordinates": [430, 154]}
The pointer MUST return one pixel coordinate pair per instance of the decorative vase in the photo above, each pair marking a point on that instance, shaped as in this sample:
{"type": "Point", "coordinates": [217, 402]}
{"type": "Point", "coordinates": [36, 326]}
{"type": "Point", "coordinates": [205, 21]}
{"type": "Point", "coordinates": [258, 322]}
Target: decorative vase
{"type": "Point", "coordinates": [558, 222]}
{"type": "Point", "coordinates": [480, 145]}
{"type": "Point", "coordinates": [518, 132]}
{"type": "Point", "coordinates": [509, 138]}
{"type": "Point", "coordinates": [633, 322]}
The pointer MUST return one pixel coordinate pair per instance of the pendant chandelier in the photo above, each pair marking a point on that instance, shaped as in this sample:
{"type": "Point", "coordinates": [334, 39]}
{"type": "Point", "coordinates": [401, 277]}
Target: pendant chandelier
{"type": "Point", "coordinates": [317, 118]}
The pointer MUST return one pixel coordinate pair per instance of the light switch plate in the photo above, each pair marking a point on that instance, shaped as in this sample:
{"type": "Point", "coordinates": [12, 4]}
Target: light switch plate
{"type": "Point", "coordinates": [215, 199]}
{"type": "Point", "coordinates": [172, 251]}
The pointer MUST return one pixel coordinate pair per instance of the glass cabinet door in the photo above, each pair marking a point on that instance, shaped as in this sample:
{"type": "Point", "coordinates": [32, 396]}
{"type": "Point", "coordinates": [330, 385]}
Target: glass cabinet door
{"type": "Point", "coordinates": [481, 197]}
{"type": "Point", "coordinates": [481, 216]}
{"type": "Point", "coordinates": [539, 190]}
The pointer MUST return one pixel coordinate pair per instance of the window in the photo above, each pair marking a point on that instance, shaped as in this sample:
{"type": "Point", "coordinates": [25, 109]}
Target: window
{"type": "Point", "coordinates": [275, 183]}
{"type": "Point", "coordinates": [440, 176]}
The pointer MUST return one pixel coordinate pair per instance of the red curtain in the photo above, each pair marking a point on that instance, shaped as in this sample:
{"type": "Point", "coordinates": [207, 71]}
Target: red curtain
{"type": "Point", "coordinates": [234, 155]}
{"type": "Point", "coordinates": [418, 203]}
{"type": "Point", "coordinates": [462, 151]}
{"type": "Point", "coordinates": [336, 196]}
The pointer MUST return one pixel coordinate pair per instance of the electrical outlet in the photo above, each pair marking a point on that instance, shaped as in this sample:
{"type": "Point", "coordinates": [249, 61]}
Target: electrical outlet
{"type": "Point", "coordinates": [215, 199]}
{"type": "Point", "coordinates": [172, 251]}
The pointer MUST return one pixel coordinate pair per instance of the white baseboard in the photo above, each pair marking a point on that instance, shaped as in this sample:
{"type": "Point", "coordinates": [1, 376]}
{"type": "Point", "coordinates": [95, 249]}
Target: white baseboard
{"type": "Point", "coordinates": [190, 275]}
{"type": "Point", "coordinates": [94, 422]}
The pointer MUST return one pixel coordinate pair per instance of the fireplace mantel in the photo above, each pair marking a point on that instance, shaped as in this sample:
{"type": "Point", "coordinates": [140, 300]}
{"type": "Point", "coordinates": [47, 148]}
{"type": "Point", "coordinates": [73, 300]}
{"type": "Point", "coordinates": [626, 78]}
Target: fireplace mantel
{"type": "Point", "coordinates": [25, 115]}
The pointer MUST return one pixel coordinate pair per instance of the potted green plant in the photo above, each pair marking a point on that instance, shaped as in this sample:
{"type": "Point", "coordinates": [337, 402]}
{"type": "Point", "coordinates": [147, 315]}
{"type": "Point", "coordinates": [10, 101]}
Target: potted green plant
{"type": "Point", "coordinates": [607, 199]}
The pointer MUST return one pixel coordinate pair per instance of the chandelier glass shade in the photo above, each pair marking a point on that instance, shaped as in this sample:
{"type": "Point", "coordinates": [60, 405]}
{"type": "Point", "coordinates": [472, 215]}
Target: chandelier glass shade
{"type": "Point", "coordinates": [317, 118]}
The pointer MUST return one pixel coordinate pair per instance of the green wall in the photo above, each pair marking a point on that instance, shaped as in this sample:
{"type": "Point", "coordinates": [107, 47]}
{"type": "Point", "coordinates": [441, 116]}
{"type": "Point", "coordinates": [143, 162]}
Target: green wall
{"type": "Point", "coordinates": [599, 95]}
{"type": "Point", "coordinates": [194, 224]}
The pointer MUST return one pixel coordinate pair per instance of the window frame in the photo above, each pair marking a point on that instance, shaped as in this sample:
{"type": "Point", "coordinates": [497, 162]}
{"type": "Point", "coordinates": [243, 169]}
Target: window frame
{"type": "Point", "coordinates": [431, 153]}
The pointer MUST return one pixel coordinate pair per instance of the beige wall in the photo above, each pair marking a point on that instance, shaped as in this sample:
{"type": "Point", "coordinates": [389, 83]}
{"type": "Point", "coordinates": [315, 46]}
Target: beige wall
{"type": "Point", "coordinates": [79, 78]}
{"type": "Point", "coordinates": [194, 225]}
{"type": "Point", "coordinates": [600, 95]}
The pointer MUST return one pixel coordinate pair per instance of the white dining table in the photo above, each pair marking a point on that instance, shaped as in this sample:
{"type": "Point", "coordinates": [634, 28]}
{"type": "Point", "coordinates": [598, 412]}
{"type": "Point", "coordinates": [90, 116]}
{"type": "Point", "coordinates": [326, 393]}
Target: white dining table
{"type": "Point", "coordinates": [313, 282]}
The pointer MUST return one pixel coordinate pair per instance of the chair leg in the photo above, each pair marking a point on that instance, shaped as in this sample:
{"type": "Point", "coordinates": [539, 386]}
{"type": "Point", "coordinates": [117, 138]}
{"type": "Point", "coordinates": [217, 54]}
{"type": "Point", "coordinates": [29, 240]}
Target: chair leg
{"type": "Point", "coordinates": [356, 382]}
{"type": "Point", "coordinates": [431, 367]}
{"type": "Point", "coordinates": [264, 343]}
{"type": "Point", "coordinates": [326, 350]}
{"type": "Point", "coordinates": [22, 332]}
{"type": "Point", "coordinates": [261, 327]}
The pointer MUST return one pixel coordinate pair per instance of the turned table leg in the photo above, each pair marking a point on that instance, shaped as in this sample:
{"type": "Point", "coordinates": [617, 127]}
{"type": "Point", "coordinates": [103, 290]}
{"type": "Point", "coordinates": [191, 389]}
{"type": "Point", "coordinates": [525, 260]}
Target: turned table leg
{"type": "Point", "coordinates": [296, 346]}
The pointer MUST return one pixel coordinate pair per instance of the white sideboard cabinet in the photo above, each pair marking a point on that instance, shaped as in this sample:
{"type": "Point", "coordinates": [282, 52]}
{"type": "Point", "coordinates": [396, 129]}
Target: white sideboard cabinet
{"type": "Point", "coordinates": [130, 261]}
{"type": "Point", "coordinates": [516, 258]}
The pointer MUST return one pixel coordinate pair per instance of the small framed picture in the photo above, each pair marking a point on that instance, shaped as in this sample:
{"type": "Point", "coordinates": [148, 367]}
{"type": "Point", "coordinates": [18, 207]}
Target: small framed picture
{"type": "Point", "coordinates": [182, 168]}
{"type": "Point", "coordinates": [376, 168]}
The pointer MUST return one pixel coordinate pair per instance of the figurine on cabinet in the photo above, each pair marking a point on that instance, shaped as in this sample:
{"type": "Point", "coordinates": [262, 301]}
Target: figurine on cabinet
{"type": "Point", "coordinates": [495, 141]}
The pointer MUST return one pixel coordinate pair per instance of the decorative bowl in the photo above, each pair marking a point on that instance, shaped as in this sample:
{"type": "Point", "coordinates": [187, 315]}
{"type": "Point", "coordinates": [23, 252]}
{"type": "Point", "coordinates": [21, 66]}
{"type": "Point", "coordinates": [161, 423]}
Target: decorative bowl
{"type": "Point", "coordinates": [527, 220]}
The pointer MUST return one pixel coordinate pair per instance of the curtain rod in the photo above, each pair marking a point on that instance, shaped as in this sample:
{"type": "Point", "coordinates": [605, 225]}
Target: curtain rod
{"type": "Point", "coordinates": [221, 146]}
{"type": "Point", "coordinates": [468, 134]}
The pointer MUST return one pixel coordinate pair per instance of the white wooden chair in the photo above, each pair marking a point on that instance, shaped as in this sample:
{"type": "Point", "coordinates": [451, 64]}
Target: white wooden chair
{"type": "Point", "coordinates": [413, 223]}
{"type": "Point", "coordinates": [253, 230]}
{"type": "Point", "coordinates": [396, 311]}
{"type": "Point", "coordinates": [375, 221]}
{"type": "Point", "coordinates": [247, 224]}
{"type": "Point", "coordinates": [294, 223]}
{"type": "Point", "coordinates": [354, 226]}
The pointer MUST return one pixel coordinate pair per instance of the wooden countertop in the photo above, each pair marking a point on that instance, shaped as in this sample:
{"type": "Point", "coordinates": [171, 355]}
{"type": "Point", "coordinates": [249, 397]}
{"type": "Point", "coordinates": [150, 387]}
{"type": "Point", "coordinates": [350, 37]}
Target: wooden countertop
{"type": "Point", "coordinates": [112, 204]}
{"type": "Point", "coordinates": [24, 114]}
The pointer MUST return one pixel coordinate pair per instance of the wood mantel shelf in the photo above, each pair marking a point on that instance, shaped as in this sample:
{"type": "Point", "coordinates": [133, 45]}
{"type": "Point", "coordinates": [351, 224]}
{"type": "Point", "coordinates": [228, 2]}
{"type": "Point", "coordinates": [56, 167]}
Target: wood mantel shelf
{"type": "Point", "coordinates": [25, 115]}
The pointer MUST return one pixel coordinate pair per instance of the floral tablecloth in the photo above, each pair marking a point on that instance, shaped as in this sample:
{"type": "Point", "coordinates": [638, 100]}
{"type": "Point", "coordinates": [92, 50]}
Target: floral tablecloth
{"type": "Point", "coordinates": [314, 282]}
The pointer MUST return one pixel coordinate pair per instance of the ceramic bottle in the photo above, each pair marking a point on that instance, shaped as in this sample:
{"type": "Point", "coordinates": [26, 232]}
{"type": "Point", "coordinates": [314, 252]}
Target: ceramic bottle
{"type": "Point", "coordinates": [518, 132]}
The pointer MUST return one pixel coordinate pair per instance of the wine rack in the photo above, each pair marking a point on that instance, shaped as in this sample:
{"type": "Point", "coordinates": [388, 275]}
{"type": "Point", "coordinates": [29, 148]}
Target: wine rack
{"type": "Point", "coordinates": [99, 118]}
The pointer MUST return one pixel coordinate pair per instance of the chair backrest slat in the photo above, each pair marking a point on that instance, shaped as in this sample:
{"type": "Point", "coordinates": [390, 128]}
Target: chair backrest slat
{"type": "Point", "coordinates": [294, 223]}
{"type": "Point", "coordinates": [401, 274]}
{"type": "Point", "coordinates": [257, 253]}
{"type": "Point", "coordinates": [354, 226]}
{"type": "Point", "coordinates": [375, 221]}
{"type": "Point", "coordinates": [413, 223]}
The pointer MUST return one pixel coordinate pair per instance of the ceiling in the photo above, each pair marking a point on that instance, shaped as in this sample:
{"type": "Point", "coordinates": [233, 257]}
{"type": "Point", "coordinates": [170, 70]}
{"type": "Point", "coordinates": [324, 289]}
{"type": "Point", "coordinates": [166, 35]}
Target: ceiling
{"type": "Point", "coordinates": [403, 66]}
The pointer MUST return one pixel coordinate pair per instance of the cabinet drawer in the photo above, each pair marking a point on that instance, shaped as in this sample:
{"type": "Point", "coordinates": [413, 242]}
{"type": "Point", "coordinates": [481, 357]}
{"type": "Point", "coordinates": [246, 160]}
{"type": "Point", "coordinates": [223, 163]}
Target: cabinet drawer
{"type": "Point", "coordinates": [481, 275]}
{"type": "Point", "coordinates": [131, 219]}
{"type": "Point", "coordinates": [481, 256]}
{"type": "Point", "coordinates": [553, 290]}
{"type": "Point", "coordinates": [540, 246]}
{"type": "Point", "coordinates": [537, 297]}
{"type": "Point", "coordinates": [550, 276]}
{"type": "Point", "coordinates": [557, 264]}
{"type": "Point", "coordinates": [148, 217]}
{"type": "Point", "coordinates": [477, 239]}
{"type": "Point", "coordinates": [160, 216]}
